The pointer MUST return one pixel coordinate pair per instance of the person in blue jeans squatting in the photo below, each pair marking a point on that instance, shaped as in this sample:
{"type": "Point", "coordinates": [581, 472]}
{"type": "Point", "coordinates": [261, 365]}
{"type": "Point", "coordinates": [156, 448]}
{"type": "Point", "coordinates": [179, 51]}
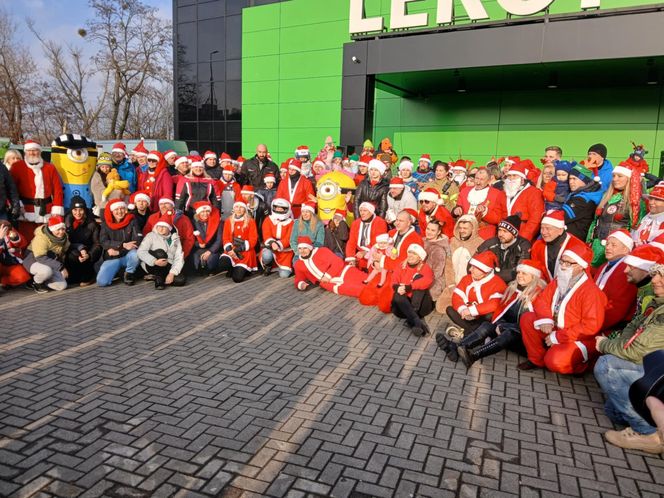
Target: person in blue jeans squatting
{"type": "Point", "coordinates": [120, 238]}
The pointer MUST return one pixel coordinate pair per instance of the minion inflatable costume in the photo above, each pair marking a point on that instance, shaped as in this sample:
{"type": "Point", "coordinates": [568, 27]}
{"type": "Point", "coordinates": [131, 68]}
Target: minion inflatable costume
{"type": "Point", "coordinates": [331, 190]}
{"type": "Point", "coordinates": [75, 158]}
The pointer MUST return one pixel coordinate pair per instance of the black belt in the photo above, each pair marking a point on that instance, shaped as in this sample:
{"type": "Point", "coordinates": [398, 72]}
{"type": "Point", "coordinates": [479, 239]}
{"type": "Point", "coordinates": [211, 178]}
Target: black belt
{"type": "Point", "coordinates": [40, 203]}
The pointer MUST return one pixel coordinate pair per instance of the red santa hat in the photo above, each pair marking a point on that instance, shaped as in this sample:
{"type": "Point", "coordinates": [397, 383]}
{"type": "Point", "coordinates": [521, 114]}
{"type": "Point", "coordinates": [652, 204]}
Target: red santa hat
{"type": "Point", "coordinates": [166, 200]}
{"type": "Point", "coordinates": [229, 168]}
{"type": "Point", "coordinates": [461, 165]}
{"type": "Point", "coordinates": [413, 214]}
{"type": "Point", "coordinates": [426, 158]}
{"type": "Point", "coordinates": [196, 161]}
{"type": "Point", "coordinates": [368, 206]}
{"type": "Point", "coordinates": [31, 145]}
{"type": "Point", "coordinates": [120, 147]}
{"type": "Point", "coordinates": [240, 202]}
{"type": "Point", "coordinates": [531, 267]}
{"type": "Point", "coordinates": [305, 241]}
{"type": "Point", "coordinates": [417, 249]}
{"type": "Point", "coordinates": [247, 189]}
{"type": "Point", "coordinates": [115, 204]}
{"type": "Point", "coordinates": [643, 257]}
{"type": "Point", "coordinates": [622, 236]}
{"type": "Point", "coordinates": [657, 192]}
{"type": "Point", "coordinates": [140, 149]}
{"type": "Point", "coordinates": [284, 166]}
{"type": "Point", "coordinates": [169, 153]}
{"type": "Point", "coordinates": [309, 206]}
{"type": "Point", "coordinates": [624, 169]}
{"type": "Point", "coordinates": [396, 182]}
{"type": "Point", "coordinates": [202, 206]}
{"type": "Point", "coordinates": [377, 165]}
{"type": "Point", "coordinates": [340, 212]}
{"type": "Point", "coordinates": [209, 155]}
{"type": "Point", "coordinates": [320, 162]}
{"type": "Point", "coordinates": [154, 155]}
{"type": "Point", "coordinates": [579, 252]}
{"type": "Point", "coordinates": [139, 195]}
{"type": "Point", "coordinates": [225, 157]}
{"type": "Point", "coordinates": [430, 194]}
{"type": "Point", "coordinates": [165, 220]}
{"type": "Point", "coordinates": [555, 219]}
{"type": "Point", "coordinates": [56, 223]}
{"type": "Point", "coordinates": [383, 237]}
{"type": "Point", "coordinates": [240, 160]}
{"type": "Point", "coordinates": [295, 164]}
{"type": "Point", "coordinates": [518, 169]}
{"type": "Point", "coordinates": [302, 151]}
{"type": "Point", "coordinates": [270, 178]}
{"type": "Point", "coordinates": [364, 160]}
{"type": "Point", "coordinates": [406, 164]}
{"type": "Point", "coordinates": [485, 261]}
{"type": "Point", "coordinates": [181, 160]}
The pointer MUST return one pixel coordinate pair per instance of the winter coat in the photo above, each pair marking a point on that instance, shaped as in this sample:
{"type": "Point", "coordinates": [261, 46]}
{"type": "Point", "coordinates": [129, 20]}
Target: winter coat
{"type": "Point", "coordinates": [579, 210]}
{"type": "Point", "coordinates": [128, 172]}
{"type": "Point", "coordinates": [606, 177]}
{"type": "Point", "coordinates": [336, 239]}
{"type": "Point", "coordinates": [85, 236]}
{"type": "Point", "coordinates": [46, 249]}
{"type": "Point", "coordinates": [438, 256]}
{"type": "Point", "coordinates": [464, 250]}
{"type": "Point", "coordinates": [376, 194]}
{"type": "Point", "coordinates": [395, 206]}
{"type": "Point", "coordinates": [449, 192]}
{"type": "Point", "coordinates": [508, 258]}
{"type": "Point", "coordinates": [253, 174]}
{"type": "Point", "coordinates": [479, 297]}
{"type": "Point", "coordinates": [406, 276]}
{"type": "Point", "coordinates": [115, 238]}
{"type": "Point", "coordinates": [9, 200]}
{"type": "Point", "coordinates": [317, 237]}
{"type": "Point", "coordinates": [169, 244]}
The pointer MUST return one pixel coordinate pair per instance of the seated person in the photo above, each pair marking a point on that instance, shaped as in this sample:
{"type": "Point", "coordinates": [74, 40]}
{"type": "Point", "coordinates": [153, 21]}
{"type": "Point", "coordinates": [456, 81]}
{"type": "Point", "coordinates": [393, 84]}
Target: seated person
{"type": "Point", "coordinates": [119, 238]}
{"type": "Point", "coordinates": [508, 246]}
{"type": "Point", "coordinates": [239, 240]}
{"type": "Point", "coordinates": [84, 249]}
{"type": "Point", "coordinates": [277, 229]}
{"type": "Point", "coordinates": [362, 236]}
{"type": "Point", "coordinates": [46, 256]}
{"type": "Point", "coordinates": [503, 329]}
{"type": "Point", "coordinates": [411, 282]}
{"type": "Point", "coordinates": [161, 255]}
{"type": "Point", "coordinates": [12, 272]}
{"type": "Point", "coordinates": [337, 233]}
{"type": "Point", "coordinates": [208, 233]}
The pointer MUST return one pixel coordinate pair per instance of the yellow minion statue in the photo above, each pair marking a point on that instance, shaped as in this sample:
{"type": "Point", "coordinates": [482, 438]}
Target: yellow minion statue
{"type": "Point", "coordinates": [332, 189]}
{"type": "Point", "coordinates": [75, 158]}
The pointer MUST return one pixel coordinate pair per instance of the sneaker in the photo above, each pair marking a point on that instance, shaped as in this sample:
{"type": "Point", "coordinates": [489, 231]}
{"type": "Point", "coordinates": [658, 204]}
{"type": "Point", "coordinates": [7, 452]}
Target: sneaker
{"type": "Point", "coordinates": [453, 334]}
{"type": "Point", "coordinates": [87, 284]}
{"type": "Point", "coordinates": [527, 365]}
{"type": "Point", "coordinates": [630, 440]}
{"type": "Point", "coordinates": [129, 278]}
{"type": "Point", "coordinates": [417, 331]}
{"type": "Point", "coordinates": [38, 288]}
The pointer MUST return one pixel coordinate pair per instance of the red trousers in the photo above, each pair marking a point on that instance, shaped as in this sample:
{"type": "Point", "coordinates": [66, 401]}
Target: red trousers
{"type": "Point", "coordinates": [349, 283]}
{"type": "Point", "coordinates": [13, 275]}
{"type": "Point", "coordinates": [568, 358]}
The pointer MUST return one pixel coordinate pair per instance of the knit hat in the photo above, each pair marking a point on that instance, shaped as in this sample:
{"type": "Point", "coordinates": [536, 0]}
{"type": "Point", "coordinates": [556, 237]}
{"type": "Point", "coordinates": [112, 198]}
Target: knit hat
{"type": "Point", "coordinates": [417, 249]}
{"type": "Point", "coordinates": [643, 257]}
{"type": "Point", "coordinates": [582, 173]}
{"type": "Point", "coordinates": [554, 218]}
{"type": "Point", "coordinates": [55, 223]}
{"type": "Point", "coordinates": [337, 155]}
{"type": "Point", "coordinates": [512, 224]}
{"type": "Point", "coordinates": [426, 158]}
{"type": "Point", "coordinates": [77, 202]}
{"type": "Point", "coordinates": [406, 164]}
{"type": "Point", "coordinates": [485, 261]}
{"type": "Point", "coordinates": [397, 182]}
{"type": "Point", "coordinates": [305, 241]}
{"type": "Point", "coordinates": [430, 194]}
{"type": "Point", "coordinates": [368, 206]}
{"type": "Point", "coordinates": [202, 206]}
{"type": "Point", "coordinates": [377, 165]}
{"type": "Point", "coordinates": [354, 158]}
{"type": "Point", "coordinates": [565, 166]}
{"type": "Point", "coordinates": [104, 159]}
{"type": "Point", "coordinates": [657, 192]}
{"type": "Point", "coordinates": [295, 164]}
{"type": "Point", "coordinates": [31, 145]}
{"type": "Point", "coordinates": [599, 149]}
{"type": "Point", "coordinates": [623, 236]}
{"type": "Point", "coordinates": [579, 252]}
{"type": "Point", "coordinates": [138, 196]}
{"type": "Point", "coordinates": [119, 147]}
{"type": "Point", "coordinates": [531, 267]}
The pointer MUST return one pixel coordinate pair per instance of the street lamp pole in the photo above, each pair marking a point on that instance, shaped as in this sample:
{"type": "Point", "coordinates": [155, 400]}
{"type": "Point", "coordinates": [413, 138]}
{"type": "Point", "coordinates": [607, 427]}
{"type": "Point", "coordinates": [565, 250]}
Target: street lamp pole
{"type": "Point", "coordinates": [212, 81]}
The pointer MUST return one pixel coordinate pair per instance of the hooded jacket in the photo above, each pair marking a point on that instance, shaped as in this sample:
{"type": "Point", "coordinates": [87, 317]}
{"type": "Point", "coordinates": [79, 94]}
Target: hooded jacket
{"type": "Point", "coordinates": [170, 244]}
{"type": "Point", "coordinates": [464, 250]}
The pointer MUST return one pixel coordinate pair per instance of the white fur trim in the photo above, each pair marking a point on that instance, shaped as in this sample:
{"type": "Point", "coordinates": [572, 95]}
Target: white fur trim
{"type": "Point", "coordinates": [166, 200]}
{"type": "Point", "coordinates": [210, 156]}
{"type": "Point", "coordinates": [153, 156]}
{"type": "Point", "coordinates": [121, 151]}
{"type": "Point", "coordinates": [417, 249]}
{"type": "Point", "coordinates": [571, 254]}
{"type": "Point", "coordinates": [56, 227]}
{"type": "Point", "coordinates": [584, 350]}
{"type": "Point", "coordinates": [142, 197]}
{"type": "Point", "coordinates": [307, 207]}
{"type": "Point", "coordinates": [305, 245]}
{"type": "Point", "coordinates": [301, 285]}
{"type": "Point", "coordinates": [57, 211]}
{"type": "Point", "coordinates": [543, 321]}
{"type": "Point", "coordinates": [480, 265]}
{"type": "Point", "coordinates": [406, 165]}
{"type": "Point", "coordinates": [553, 222]}
{"type": "Point", "coordinates": [622, 170]}
{"type": "Point", "coordinates": [377, 165]}
{"type": "Point", "coordinates": [200, 209]}
{"type": "Point", "coordinates": [32, 146]}
{"type": "Point", "coordinates": [530, 270]}
{"type": "Point", "coordinates": [366, 205]}
{"type": "Point", "coordinates": [428, 196]}
{"type": "Point", "coordinates": [623, 238]}
{"type": "Point", "coordinates": [641, 264]}
{"type": "Point", "coordinates": [169, 154]}
{"type": "Point", "coordinates": [163, 224]}
{"type": "Point", "coordinates": [473, 310]}
{"type": "Point", "coordinates": [554, 339]}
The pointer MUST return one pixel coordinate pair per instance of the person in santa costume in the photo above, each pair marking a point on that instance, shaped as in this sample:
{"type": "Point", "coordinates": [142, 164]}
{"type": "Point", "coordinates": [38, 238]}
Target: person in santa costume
{"type": "Point", "coordinates": [373, 189]}
{"type": "Point", "coordinates": [212, 166]}
{"type": "Point", "coordinates": [524, 200]}
{"type": "Point", "coordinates": [39, 188]}
{"type": "Point", "coordinates": [140, 153]}
{"type": "Point", "coordinates": [554, 241]}
{"type": "Point", "coordinates": [156, 180]}
{"type": "Point", "coordinates": [239, 238]}
{"type": "Point", "coordinates": [431, 207]}
{"type": "Point", "coordinates": [170, 156]}
{"type": "Point", "coordinates": [476, 297]}
{"type": "Point", "coordinates": [196, 186]}
{"type": "Point", "coordinates": [45, 257]}
{"type": "Point", "coordinates": [637, 264]}
{"type": "Point", "coordinates": [206, 253]}
{"type": "Point", "coordinates": [228, 191]}
{"type": "Point", "coordinates": [180, 222]}
{"type": "Point", "coordinates": [486, 203]}
{"type": "Point", "coordinates": [12, 272]}
{"type": "Point", "coordinates": [277, 229]}
{"type": "Point", "coordinates": [125, 169]}
{"type": "Point", "coordinates": [503, 329]}
{"type": "Point", "coordinates": [319, 265]}
{"type": "Point", "coordinates": [411, 283]}
{"type": "Point", "coordinates": [652, 224]}
{"type": "Point", "coordinates": [297, 190]}
{"type": "Point", "coordinates": [362, 169]}
{"type": "Point", "coordinates": [560, 333]}
{"type": "Point", "coordinates": [363, 232]}
{"type": "Point", "coordinates": [403, 235]}
{"type": "Point", "coordinates": [612, 280]}
{"type": "Point", "coordinates": [398, 198]}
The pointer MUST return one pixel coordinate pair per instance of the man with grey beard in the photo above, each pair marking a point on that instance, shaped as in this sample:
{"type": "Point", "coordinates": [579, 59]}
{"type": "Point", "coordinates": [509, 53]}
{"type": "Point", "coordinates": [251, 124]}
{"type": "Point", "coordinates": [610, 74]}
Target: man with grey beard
{"type": "Point", "coordinates": [523, 199]}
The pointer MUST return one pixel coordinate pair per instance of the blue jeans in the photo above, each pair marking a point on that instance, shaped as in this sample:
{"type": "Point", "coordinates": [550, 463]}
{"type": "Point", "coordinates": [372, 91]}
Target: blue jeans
{"type": "Point", "coordinates": [615, 375]}
{"type": "Point", "coordinates": [111, 267]}
{"type": "Point", "coordinates": [267, 258]}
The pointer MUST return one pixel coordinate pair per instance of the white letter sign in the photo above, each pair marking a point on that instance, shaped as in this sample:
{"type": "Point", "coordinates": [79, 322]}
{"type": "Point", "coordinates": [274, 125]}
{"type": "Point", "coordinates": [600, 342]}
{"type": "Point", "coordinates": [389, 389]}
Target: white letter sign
{"type": "Point", "coordinates": [474, 9]}
{"type": "Point", "coordinates": [358, 23]}
{"type": "Point", "coordinates": [524, 7]}
{"type": "Point", "coordinates": [399, 18]}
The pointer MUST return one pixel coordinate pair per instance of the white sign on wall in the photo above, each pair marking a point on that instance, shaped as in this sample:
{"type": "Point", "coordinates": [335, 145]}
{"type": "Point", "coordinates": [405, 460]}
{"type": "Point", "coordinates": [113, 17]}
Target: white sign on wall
{"type": "Point", "coordinates": [399, 17]}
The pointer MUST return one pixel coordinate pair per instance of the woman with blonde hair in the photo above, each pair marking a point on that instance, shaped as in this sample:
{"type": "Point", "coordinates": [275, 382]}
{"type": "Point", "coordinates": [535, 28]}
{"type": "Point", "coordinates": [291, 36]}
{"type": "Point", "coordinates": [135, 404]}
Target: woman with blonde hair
{"type": "Point", "coordinates": [308, 225]}
{"type": "Point", "coordinates": [239, 242]}
{"type": "Point", "coordinates": [503, 329]}
{"type": "Point", "coordinates": [11, 156]}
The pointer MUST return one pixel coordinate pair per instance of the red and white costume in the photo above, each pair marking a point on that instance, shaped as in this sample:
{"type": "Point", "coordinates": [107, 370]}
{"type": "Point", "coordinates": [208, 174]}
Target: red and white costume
{"type": "Point", "coordinates": [234, 228]}
{"type": "Point", "coordinates": [156, 183]}
{"type": "Point", "coordinates": [540, 253]}
{"type": "Point", "coordinates": [480, 297]}
{"type": "Point", "coordinates": [183, 226]}
{"type": "Point", "coordinates": [400, 247]}
{"type": "Point", "coordinates": [39, 184]}
{"type": "Point", "coordinates": [362, 237]}
{"type": "Point", "coordinates": [344, 280]}
{"type": "Point", "coordinates": [578, 320]}
{"type": "Point", "coordinates": [621, 295]}
{"type": "Point", "coordinates": [527, 202]}
{"type": "Point", "coordinates": [279, 232]}
{"type": "Point", "coordinates": [494, 202]}
{"type": "Point", "coordinates": [439, 213]}
{"type": "Point", "coordinates": [12, 272]}
{"type": "Point", "coordinates": [296, 194]}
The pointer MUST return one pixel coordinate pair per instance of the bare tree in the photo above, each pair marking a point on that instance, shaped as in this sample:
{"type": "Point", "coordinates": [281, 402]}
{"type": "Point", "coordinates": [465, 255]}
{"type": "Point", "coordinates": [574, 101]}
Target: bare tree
{"type": "Point", "coordinates": [135, 52]}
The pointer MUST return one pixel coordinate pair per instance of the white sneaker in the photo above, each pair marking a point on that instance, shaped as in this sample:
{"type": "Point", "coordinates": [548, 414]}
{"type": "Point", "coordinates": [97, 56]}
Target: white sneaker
{"type": "Point", "coordinates": [630, 440]}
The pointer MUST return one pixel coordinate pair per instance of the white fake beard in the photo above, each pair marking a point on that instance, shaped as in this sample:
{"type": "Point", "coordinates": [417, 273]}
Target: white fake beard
{"type": "Point", "coordinates": [511, 187]}
{"type": "Point", "coordinates": [563, 276]}
{"type": "Point", "coordinates": [459, 179]}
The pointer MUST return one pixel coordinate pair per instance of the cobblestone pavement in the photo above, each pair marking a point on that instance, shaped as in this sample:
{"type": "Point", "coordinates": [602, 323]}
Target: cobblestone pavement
{"type": "Point", "coordinates": [254, 389]}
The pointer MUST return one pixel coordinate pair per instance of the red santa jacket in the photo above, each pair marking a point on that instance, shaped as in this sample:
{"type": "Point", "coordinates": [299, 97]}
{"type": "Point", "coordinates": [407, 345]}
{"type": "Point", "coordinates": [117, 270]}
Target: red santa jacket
{"type": "Point", "coordinates": [480, 297]}
{"type": "Point", "coordinates": [400, 248]}
{"type": "Point", "coordinates": [493, 200]}
{"type": "Point", "coordinates": [528, 204]}
{"type": "Point", "coordinates": [279, 232]}
{"type": "Point", "coordinates": [377, 226]}
{"type": "Point", "coordinates": [540, 252]}
{"type": "Point", "coordinates": [158, 184]}
{"type": "Point", "coordinates": [296, 196]}
{"type": "Point", "coordinates": [418, 277]}
{"type": "Point", "coordinates": [580, 315]}
{"type": "Point", "coordinates": [234, 228]}
{"type": "Point", "coordinates": [620, 294]}
{"type": "Point", "coordinates": [321, 263]}
{"type": "Point", "coordinates": [441, 214]}
{"type": "Point", "coordinates": [183, 226]}
{"type": "Point", "coordinates": [38, 183]}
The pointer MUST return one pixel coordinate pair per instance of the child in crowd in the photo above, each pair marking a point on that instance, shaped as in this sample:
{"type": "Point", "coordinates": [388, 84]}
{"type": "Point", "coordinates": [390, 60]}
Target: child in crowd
{"type": "Point", "coordinates": [555, 192]}
{"type": "Point", "coordinates": [376, 257]}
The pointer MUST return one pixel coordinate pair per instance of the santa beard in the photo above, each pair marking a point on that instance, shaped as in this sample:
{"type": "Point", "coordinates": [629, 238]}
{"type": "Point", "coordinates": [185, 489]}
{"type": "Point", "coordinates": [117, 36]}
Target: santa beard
{"type": "Point", "coordinates": [511, 187]}
{"type": "Point", "coordinates": [36, 165]}
{"type": "Point", "coordinates": [564, 277]}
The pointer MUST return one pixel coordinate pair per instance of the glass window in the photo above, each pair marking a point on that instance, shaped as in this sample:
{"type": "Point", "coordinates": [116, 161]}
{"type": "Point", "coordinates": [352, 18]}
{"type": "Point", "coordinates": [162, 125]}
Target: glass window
{"type": "Point", "coordinates": [211, 39]}
{"type": "Point", "coordinates": [211, 101]}
{"type": "Point", "coordinates": [234, 148]}
{"type": "Point", "coordinates": [233, 131]}
{"type": "Point", "coordinates": [218, 71]}
{"type": "Point", "coordinates": [233, 99]}
{"type": "Point", "coordinates": [235, 6]}
{"type": "Point", "coordinates": [220, 131]}
{"type": "Point", "coordinates": [234, 37]}
{"type": "Point", "coordinates": [186, 14]}
{"type": "Point", "coordinates": [180, 3]}
{"type": "Point", "coordinates": [186, 43]}
{"type": "Point", "coordinates": [187, 131]}
{"type": "Point", "coordinates": [206, 131]}
{"type": "Point", "coordinates": [210, 9]}
{"type": "Point", "coordinates": [187, 102]}
{"type": "Point", "coordinates": [234, 69]}
{"type": "Point", "coordinates": [186, 73]}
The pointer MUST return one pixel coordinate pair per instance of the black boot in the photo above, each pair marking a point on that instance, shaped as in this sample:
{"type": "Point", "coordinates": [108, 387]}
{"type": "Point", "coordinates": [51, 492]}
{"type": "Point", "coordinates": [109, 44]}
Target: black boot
{"type": "Point", "coordinates": [477, 336]}
{"type": "Point", "coordinates": [470, 356]}
{"type": "Point", "coordinates": [128, 278]}
{"type": "Point", "coordinates": [267, 270]}
{"type": "Point", "coordinates": [442, 341]}
{"type": "Point", "coordinates": [159, 283]}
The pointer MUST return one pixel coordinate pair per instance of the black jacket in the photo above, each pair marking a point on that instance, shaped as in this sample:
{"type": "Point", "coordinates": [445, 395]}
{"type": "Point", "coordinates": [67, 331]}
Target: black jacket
{"type": "Point", "coordinates": [85, 236]}
{"type": "Point", "coordinates": [509, 258]}
{"type": "Point", "coordinates": [580, 211]}
{"type": "Point", "coordinates": [113, 239]}
{"type": "Point", "coordinates": [375, 194]}
{"type": "Point", "coordinates": [252, 174]}
{"type": "Point", "coordinates": [9, 201]}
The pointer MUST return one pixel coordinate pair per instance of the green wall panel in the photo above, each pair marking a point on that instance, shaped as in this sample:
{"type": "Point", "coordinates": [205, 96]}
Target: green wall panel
{"type": "Point", "coordinates": [264, 68]}
{"type": "Point", "coordinates": [261, 92]}
{"type": "Point", "coordinates": [299, 90]}
{"type": "Point", "coordinates": [264, 115]}
{"type": "Point", "coordinates": [264, 42]}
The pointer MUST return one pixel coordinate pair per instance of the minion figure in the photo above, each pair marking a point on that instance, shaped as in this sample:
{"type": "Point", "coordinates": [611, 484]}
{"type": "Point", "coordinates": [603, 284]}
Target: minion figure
{"type": "Point", "coordinates": [331, 191]}
{"type": "Point", "coordinates": [75, 158]}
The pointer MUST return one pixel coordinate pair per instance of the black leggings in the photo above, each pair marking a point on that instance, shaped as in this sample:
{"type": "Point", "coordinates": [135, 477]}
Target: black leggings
{"type": "Point", "coordinates": [413, 309]}
{"type": "Point", "coordinates": [237, 273]}
{"type": "Point", "coordinates": [467, 325]}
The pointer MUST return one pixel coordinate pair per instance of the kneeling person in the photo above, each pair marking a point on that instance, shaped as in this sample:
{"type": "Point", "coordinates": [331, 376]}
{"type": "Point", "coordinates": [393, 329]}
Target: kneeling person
{"type": "Point", "coordinates": [160, 254]}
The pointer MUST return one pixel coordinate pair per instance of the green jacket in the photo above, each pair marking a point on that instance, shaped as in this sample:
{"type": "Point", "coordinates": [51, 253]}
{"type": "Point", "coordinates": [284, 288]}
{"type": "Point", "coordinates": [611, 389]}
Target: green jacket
{"type": "Point", "coordinates": [650, 339]}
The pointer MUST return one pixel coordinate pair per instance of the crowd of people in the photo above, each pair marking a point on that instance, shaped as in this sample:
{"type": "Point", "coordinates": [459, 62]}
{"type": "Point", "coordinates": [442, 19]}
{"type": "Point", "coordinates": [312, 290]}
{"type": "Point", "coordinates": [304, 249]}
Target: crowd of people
{"type": "Point", "coordinates": [562, 263]}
